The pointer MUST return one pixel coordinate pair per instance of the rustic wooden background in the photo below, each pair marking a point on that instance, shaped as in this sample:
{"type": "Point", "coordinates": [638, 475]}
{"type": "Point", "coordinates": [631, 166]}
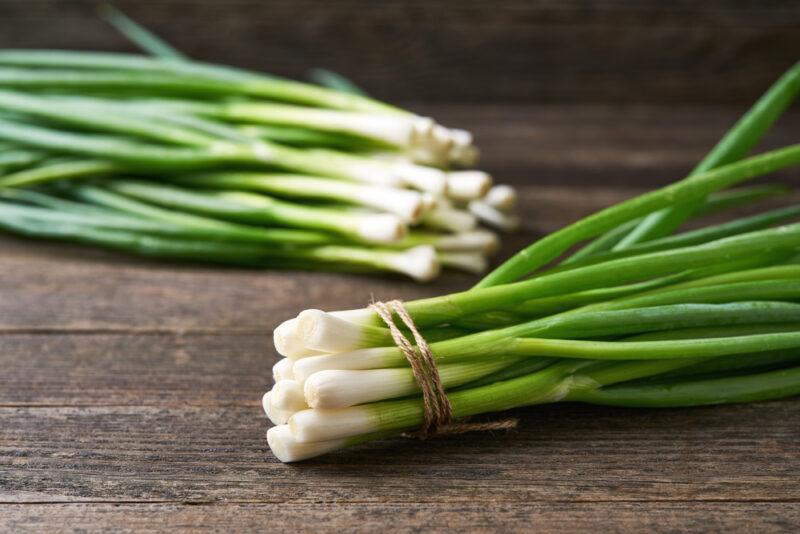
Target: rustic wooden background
{"type": "Point", "coordinates": [621, 51]}
{"type": "Point", "coordinates": [129, 390]}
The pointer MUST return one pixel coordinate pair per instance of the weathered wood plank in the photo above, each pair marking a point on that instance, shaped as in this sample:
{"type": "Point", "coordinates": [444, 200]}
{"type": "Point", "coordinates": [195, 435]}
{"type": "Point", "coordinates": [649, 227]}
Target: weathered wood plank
{"type": "Point", "coordinates": [428, 517]}
{"type": "Point", "coordinates": [161, 369]}
{"type": "Point", "coordinates": [591, 145]}
{"type": "Point", "coordinates": [623, 51]}
{"type": "Point", "coordinates": [560, 453]}
{"type": "Point", "coordinates": [84, 290]}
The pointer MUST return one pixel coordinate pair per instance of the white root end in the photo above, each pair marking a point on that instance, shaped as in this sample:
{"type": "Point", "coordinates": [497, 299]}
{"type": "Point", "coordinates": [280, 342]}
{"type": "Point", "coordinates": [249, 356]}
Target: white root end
{"type": "Point", "coordinates": [283, 370]}
{"type": "Point", "coordinates": [323, 425]}
{"type": "Point", "coordinates": [440, 144]}
{"type": "Point", "coordinates": [427, 145]}
{"type": "Point", "coordinates": [288, 341]}
{"type": "Point", "coordinates": [429, 202]}
{"type": "Point", "coordinates": [501, 197]}
{"type": "Point", "coordinates": [422, 128]}
{"type": "Point", "coordinates": [363, 316]}
{"type": "Point", "coordinates": [372, 358]}
{"type": "Point", "coordinates": [277, 417]}
{"type": "Point", "coordinates": [467, 185]}
{"type": "Point", "coordinates": [398, 131]}
{"type": "Point", "coordinates": [426, 179]}
{"type": "Point", "coordinates": [381, 228]}
{"type": "Point", "coordinates": [444, 137]}
{"type": "Point", "coordinates": [471, 262]}
{"type": "Point", "coordinates": [340, 389]}
{"type": "Point", "coordinates": [408, 205]}
{"type": "Point", "coordinates": [325, 332]}
{"type": "Point", "coordinates": [465, 156]}
{"type": "Point", "coordinates": [336, 388]}
{"type": "Point", "coordinates": [287, 449]}
{"type": "Point", "coordinates": [425, 156]}
{"type": "Point", "coordinates": [420, 263]}
{"type": "Point", "coordinates": [265, 403]}
{"type": "Point", "coordinates": [461, 138]}
{"type": "Point", "coordinates": [287, 395]}
{"type": "Point", "coordinates": [445, 203]}
{"type": "Point", "coordinates": [463, 152]}
{"type": "Point", "coordinates": [478, 240]}
{"type": "Point", "coordinates": [450, 219]}
{"type": "Point", "coordinates": [493, 217]}
{"type": "Point", "coordinates": [373, 172]}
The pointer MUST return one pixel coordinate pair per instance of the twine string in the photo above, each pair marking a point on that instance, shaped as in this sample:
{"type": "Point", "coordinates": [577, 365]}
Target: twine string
{"type": "Point", "coordinates": [438, 412]}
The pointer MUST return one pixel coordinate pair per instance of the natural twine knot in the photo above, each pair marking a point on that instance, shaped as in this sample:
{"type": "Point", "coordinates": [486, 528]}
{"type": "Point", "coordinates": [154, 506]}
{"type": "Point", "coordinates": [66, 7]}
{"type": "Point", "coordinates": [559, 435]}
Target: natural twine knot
{"type": "Point", "coordinates": [438, 413]}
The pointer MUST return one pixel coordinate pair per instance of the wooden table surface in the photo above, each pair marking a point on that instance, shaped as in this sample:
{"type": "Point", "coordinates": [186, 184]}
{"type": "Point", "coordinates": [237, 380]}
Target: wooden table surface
{"type": "Point", "coordinates": [130, 390]}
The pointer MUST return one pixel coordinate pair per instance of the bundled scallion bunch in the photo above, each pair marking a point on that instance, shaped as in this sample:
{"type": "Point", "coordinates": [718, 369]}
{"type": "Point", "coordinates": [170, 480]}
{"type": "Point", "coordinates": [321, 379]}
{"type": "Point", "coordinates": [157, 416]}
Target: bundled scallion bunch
{"type": "Point", "coordinates": [640, 316]}
{"type": "Point", "coordinates": [170, 157]}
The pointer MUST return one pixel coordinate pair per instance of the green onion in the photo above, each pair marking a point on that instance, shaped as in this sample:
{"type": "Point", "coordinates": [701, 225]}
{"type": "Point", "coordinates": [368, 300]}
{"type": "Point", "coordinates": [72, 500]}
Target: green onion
{"type": "Point", "coordinates": [734, 145]}
{"type": "Point", "coordinates": [260, 209]}
{"type": "Point", "coordinates": [717, 202]}
{"type": "Point", "coordinates": [749, 388]}
{"type": "Point", "coordinates": [334, 81]}
{"type": "Point", "coordinates": [96, 71]}
{"type": "Point", "coordinates": [139, 35]}
{"type": "Point", "coordinates": [231, 160]}
{"type": "Point", "coordinates": [706, 316]}
{"type": "Point", "coordinates": [548, 248]}
{"type": "Point", "coordinates": [408, 205]}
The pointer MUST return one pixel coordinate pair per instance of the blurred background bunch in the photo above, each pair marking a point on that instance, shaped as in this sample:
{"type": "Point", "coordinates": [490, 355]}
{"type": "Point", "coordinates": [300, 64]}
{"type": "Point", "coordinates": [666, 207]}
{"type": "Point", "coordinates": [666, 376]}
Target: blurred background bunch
{"type": "Point", "coordinates": [170, 157]}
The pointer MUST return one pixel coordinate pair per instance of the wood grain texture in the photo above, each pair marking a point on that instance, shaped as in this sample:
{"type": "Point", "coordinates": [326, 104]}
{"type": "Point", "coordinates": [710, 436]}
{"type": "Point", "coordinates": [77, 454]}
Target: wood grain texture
{"type": "Point", "coordinates": [720, 51]}
{"type": "Point", "coordinates": [565, 518]}
{"type": "Point", "coordinates": [135, 368]}
{"type": "Point", "coordinates": [561, 453]}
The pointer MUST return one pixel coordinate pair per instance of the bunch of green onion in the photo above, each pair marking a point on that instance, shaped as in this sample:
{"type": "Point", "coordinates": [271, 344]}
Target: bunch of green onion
{"type": "Point", "coordinates": [640, 316]}
{"type": "Point", "coordinates": [169, 157]}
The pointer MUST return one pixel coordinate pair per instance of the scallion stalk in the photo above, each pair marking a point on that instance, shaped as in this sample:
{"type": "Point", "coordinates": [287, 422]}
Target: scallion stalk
{"type": "Point", "coordinates": [744, 135]}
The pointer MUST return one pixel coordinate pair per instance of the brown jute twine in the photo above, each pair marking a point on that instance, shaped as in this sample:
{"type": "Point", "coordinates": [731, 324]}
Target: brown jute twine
{"type": "Point", "coordinates": [438, 413]}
